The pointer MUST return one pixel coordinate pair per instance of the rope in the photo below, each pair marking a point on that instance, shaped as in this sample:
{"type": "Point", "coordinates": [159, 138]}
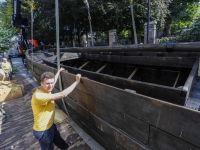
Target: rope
{"type": "Point", "coordinates": [89, 17]}
{"type": "Point", "coordinates": [32, 6]}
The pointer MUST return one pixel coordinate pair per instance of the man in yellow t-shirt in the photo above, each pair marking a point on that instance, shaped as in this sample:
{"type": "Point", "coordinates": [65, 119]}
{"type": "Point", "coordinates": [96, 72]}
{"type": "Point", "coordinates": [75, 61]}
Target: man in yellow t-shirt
{"type": "Point", "coordinates": [44, 109]}
{"type": "Point", "coordinates": [6, 67]}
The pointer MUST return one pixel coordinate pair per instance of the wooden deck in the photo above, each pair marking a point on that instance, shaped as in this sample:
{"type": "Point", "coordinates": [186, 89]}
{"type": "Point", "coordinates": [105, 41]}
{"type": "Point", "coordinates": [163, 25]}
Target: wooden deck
{"type": "Point", "coordinates": [16, 133]}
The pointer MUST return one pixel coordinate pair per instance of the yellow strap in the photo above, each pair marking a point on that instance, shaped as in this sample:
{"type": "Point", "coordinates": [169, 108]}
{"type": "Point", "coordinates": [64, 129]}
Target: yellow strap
{"type": "Point", "coordinates": [131, 1]}
{"type": "Point", "coordinates": [32, 7]}
{"type": "Point", "coordinates": [89, 17]}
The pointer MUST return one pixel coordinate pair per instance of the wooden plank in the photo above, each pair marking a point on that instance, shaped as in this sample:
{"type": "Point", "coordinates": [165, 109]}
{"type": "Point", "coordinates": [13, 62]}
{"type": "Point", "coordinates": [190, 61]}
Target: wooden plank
{"type": "Point", "coordinates": [132, 126]}
{"type": "Point", "coordinates": [36, 76]}
{"type": "Point", "coordinates": [94, 132]}
{"type": "Point", "coordinates": [162, 92]}
{"type": "Point", "coordinates": [182, 62]}
{"type": "Point", "coordinates": [190, 80]}
{"type": "Point", "coordinates": [163, 115]}
{"type": "Point", "coordinates": [178, 47]}
{"type": "Point", "coordinates": [37, 71]}
{"type": "Point", "coordinates": [160, 140]}
{"type": "Point", "coordinates": [104, 66]}
{"type": "Point", "coordinates": [133, 73]}
{"type": "Point", "coordinates": [69, 56]}
{"type": "Point", "coordinates": [110, 131]}
{"type": "Point", "coordinates": [176, 79]}
{"type": "Point", "coordinates": [84, 65]}
{"type": "Point", "coordinates": [79, 109]}
{"type": "Point", "coordinates": [113, 133]}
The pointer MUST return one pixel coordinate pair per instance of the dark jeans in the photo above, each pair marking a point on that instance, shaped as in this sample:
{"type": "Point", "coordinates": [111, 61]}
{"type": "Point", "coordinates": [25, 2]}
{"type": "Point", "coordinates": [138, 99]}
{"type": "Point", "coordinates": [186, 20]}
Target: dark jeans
{"type": "Point", "coordinates": [48, 137]}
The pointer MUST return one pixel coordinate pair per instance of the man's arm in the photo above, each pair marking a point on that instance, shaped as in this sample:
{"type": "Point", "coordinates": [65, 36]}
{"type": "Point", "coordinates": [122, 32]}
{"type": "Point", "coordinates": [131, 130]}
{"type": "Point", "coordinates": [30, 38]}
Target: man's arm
{"type": "Point", "coordinates": [67, 91]}
{"type": "Point", "coordinates": [57, 74]}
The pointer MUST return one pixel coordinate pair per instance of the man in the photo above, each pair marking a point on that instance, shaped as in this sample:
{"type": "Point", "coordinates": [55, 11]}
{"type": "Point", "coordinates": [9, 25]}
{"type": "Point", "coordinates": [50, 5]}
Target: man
{"type": "Point", "coordinates": [43, 108]}
{"type": "Point", "coordinates": [6, 67]}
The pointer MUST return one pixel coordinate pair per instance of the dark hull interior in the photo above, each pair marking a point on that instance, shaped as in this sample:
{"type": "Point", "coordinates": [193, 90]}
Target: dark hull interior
{"type": "Point", "coordinates": [152, 74]}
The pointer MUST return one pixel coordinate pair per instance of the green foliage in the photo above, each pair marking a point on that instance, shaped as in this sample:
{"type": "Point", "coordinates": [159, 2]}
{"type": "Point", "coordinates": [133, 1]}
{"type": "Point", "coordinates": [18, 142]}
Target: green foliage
{"type": "Point", "coordinates": [183, 14]}
{"type": "Point", "coordinates": [106, 15]}
{"type": "Point", "coordinates": [14, 70]}
{"type": "Point", "coordinates": [5, 35]}
{"type": "Point", "coordinates": [186, 37]}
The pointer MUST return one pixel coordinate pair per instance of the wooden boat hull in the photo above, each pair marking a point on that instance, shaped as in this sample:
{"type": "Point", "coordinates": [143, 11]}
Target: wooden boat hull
{"type": "Point", "coordinates": [109, 109]}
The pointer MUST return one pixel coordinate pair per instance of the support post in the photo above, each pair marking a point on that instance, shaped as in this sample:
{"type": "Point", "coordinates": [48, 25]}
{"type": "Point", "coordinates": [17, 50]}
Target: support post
{"type": "Point", "coordinates": [91, 31]}
{"type": "Point", "coordinates": [89, 18]}
{"type": "Point", "coordinates": [32, 35]}
{"type": "Point", "coordinates": [148, 21]}
{"type": "Point", "coordinates": [133, 22]}
{"type": "Point", "coordinates": [58, 48]}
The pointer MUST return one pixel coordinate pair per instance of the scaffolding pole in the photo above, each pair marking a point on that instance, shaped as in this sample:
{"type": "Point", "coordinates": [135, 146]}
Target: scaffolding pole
{"type": "Point", "coordinates": [58, 48]}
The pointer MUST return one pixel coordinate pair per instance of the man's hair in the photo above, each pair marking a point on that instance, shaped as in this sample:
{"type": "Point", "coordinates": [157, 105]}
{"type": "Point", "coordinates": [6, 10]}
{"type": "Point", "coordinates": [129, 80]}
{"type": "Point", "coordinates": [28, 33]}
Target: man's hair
{"type": "Point", "coordinates": [48, 75]}
{"type": "Point", "coordinates": [4, 59]}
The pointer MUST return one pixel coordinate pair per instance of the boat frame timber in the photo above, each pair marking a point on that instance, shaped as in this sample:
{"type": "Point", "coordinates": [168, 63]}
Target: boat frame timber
{"type": "Point", "coordinates": [125, 119]}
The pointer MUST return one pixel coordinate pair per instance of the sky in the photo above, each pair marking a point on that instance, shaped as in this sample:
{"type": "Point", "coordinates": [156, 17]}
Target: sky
{"type": "Point", "coordinates": [2, 0]}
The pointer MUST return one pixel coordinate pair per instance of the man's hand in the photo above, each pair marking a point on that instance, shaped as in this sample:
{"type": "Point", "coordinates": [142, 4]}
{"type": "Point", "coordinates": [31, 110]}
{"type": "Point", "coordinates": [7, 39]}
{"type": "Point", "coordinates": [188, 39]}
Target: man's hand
{"type": "Point", "coordinates": [66, 91]}
{"type": "Point", "coordinates": [61, 69]}
{"type": "Point", "coordinates": [78, 77]}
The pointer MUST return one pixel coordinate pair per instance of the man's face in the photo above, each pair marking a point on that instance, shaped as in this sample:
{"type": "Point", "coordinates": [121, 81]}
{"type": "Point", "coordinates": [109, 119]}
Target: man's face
{"type": "Point", "coordinates": [5, 60]}
{"type": "Point", "coordinates": [48, 84]}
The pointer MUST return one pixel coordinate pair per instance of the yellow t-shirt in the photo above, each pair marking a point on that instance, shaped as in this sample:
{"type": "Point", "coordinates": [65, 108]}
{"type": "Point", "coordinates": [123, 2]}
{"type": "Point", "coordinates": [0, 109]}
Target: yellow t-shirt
{"type": "Point", "coordinates": [43, 110]}
{"type": "Point", "coordinates": [5, 65]}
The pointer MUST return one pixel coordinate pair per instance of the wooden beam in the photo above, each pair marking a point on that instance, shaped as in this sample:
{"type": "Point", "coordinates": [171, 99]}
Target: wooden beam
{"type": "Point", "coordinates": [177, 47]}
{"type": "Point", "coordinates": [177, 79]}
{"type": "Point", "coordinates": [102, 68]}
{"type": "Point", "coordinates": [133, 73]}
{"type": "Point", "coordinates": [190, 79]}
{"type": "Point", "coordinates": [84, 65]}
{"type": "Point", "coordinates": [93, 131]}
{"type": "Point", "coordinates": [160, 140]}
{"type": "Point", "coordinates": [165, 116]}
{"type": "Point", "coordinates": [110, 132]}
{"type": "Point", "coordinates": [165, 93]}
{"type": "Point", "coordinates": [180, 62]}
{"type": "Point", "coordinates": [132, 126]}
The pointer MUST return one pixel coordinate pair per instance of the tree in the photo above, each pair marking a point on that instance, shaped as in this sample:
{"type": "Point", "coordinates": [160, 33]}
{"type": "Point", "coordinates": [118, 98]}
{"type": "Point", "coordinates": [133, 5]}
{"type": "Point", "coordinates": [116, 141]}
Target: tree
{"type": "Point", "coordinates": [106, 15]}
{"type": "Point", "coordinates": [183, 14]}
{"type": "Point", "coordinates": [5, 35]}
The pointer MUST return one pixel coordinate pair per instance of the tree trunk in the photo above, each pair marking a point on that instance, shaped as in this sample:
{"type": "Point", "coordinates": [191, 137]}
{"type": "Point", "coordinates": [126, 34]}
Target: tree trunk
{"type": "Point", "coordinates": [71, 37]}
{"type": "Point", "coordinates": [168, 30]}
{"type": "Point", "coordinates": [79, 41]}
